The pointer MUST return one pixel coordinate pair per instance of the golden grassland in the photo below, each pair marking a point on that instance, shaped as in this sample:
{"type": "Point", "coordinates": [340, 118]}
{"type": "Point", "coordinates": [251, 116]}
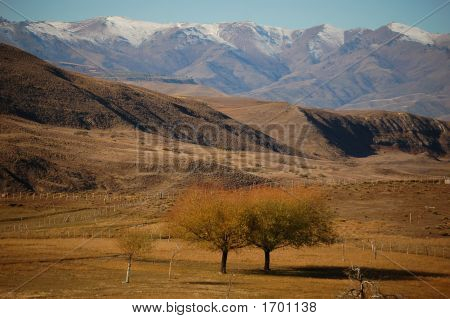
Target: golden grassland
{"type": "Point", "coordinates": [59, 259]}
{"type": "Point", "coordinates": [305, 273]}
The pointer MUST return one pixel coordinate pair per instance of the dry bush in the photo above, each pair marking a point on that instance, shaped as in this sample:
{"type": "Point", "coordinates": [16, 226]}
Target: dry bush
{"type": "Point", "coordinates": [132, 244]}
{"type": "Point", "coordinates": [365, 289]}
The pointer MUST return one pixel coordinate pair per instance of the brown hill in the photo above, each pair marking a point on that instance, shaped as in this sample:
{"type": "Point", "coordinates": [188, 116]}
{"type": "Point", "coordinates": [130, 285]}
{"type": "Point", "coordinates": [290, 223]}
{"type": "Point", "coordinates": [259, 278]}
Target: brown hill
{"type": "Point", "coordinates": [35, 90]}
{"type": "Point", "coordinates": [332, 134]}
{"type": "Point", "coordinates": [41, 158]}
{"type": "Point", "coordinates": [362, 133]}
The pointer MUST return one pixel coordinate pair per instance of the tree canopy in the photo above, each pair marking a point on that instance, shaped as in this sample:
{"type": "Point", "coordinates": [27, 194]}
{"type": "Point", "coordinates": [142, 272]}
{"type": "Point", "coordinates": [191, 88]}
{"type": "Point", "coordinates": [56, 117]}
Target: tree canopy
{"type": "Point", "coordinates": [268, 218]}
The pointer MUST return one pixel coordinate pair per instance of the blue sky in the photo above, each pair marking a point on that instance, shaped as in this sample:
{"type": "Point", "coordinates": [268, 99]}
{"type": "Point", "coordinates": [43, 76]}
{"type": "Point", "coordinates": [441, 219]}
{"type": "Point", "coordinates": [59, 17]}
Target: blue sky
{"type": "Point", "coordinates": [293, 14]}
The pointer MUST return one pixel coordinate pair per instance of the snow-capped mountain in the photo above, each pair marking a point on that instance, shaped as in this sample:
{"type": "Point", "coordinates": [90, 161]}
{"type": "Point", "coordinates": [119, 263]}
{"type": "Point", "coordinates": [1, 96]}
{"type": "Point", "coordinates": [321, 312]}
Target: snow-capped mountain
{"type": "Point", "coordinates": [98, 30]}
{"type": "Point", "coordinates": [412, 33]}
{"type": "Point", "coordinates": [105, 30]}
{"type": "Point", "coordinates": [261, 61]}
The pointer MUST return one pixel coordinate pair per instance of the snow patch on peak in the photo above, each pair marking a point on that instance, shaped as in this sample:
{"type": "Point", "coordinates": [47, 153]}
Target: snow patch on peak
{"type": "Point", "coordinates": [331, 35]}
{"type": "Point", "coordinates": [98, 29]}
{"type": "Point", "coordinates": [274, 38]}
{"type": "Point", "coordinates": [51, 29]}
{"type": "Point", "coordinates": [134, 31]}
{"type": "Point", "coordinates": [278, 32]}
{"type": "Point", "coordinates": [328, 37]}
{"type": "Point", "coordinates": [209, 32]}
{"type": "Point", "coordinates": [411, 33]}
{"type": "Point", "coordinates": [249, 35]}
{"type": "Point", "coordinates": [248, 24]}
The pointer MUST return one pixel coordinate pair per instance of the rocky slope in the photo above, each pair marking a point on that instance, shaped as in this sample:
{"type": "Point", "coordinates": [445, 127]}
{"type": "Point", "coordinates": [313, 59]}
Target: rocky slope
{"type": "Point", "coordinates": [330, 134]}
{"type": "Point", "coordinates": [362, 134]}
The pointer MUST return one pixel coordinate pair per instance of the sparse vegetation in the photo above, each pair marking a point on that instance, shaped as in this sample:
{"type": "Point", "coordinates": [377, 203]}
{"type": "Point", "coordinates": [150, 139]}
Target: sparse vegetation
{"type": "Point", "coordinates": [364, 288]}
{"type": "Point", "coordinates": [39, 229]}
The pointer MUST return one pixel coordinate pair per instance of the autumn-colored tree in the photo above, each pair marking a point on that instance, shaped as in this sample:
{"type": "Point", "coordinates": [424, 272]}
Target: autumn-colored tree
{"type": "Point", "coordinates": [211, 215]}
{"type": "Point", "coordinates": [276, 218]}
{"type": "Point", "coordinates": [132, 244]}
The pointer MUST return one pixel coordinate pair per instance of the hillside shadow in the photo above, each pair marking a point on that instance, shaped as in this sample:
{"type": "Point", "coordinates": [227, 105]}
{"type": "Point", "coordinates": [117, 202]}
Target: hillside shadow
{"type": "Point", "coordinates": [334, 272]}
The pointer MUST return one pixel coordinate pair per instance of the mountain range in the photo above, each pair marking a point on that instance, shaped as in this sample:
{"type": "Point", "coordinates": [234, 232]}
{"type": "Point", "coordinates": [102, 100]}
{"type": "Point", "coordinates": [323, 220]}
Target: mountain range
{"type": "Point", "coordinates": [394, 67]}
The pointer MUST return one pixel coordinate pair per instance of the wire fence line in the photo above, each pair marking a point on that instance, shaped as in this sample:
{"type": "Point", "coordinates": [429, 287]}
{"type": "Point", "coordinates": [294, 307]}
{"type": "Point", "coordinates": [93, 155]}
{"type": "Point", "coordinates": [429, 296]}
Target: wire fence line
{"type": "Point", "coordinates": [65, 225]}
{"type": "Point", "coordinates": [376, 246]}
{"type": "Point", "coordinates": [26, 196]}
{"type": "Point", "coordinates": [106, 204]}
{"type": "Point", "coordinates": [79, 222]}
{"type": "Point", "coordinates": [87, 196]}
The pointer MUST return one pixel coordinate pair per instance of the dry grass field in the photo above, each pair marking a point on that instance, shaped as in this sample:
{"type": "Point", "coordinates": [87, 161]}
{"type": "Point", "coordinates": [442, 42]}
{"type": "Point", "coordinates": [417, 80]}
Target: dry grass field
{"type": "Point", "coordinates": [67, 249]}
{"type": "Point", "coordinates": [307, 273]}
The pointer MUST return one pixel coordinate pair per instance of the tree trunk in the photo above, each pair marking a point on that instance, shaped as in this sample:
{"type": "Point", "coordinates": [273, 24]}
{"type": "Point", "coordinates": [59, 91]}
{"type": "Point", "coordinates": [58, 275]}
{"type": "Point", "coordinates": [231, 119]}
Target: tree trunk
{"type": "Point", "coordinates": [223, 264]}
{"type": "Point", "coordinates": [266, 260]}
{"type": "Point", "coordinates": [127, 278]}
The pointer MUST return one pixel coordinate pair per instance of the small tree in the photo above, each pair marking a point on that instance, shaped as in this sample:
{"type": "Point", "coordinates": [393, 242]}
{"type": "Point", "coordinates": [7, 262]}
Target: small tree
{"type": "Point", "coordinates": [132, 244]}
{"type": "Point", "coordinates": [213, 216]}
{"type": "Point", "coordinates": [172, 259]}
{"type": "Point", "coordinates": [275, 218]}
